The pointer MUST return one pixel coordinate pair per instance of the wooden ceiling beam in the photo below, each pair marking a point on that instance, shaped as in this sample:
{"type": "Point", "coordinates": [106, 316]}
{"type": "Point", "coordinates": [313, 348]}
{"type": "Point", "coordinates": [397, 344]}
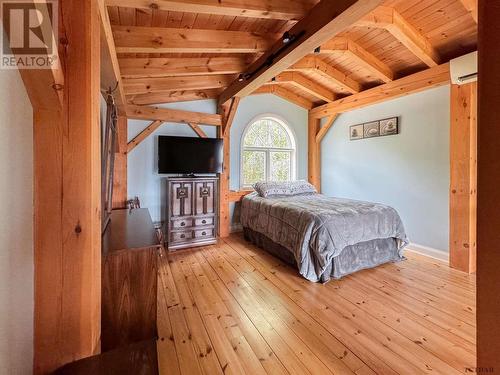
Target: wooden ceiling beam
{"type": "Point", "coordinates": [136, 39]}
{"type": "Point", "coordinates": [471, 7]}
{"type": "Point", "coordinates": [432, 77]}
{"type": "Point", "coordinates": [271, 9]}
{"type": "Point", "coordinates": [168, 84]}
{"type": "Point", "coordinates": [412, 39]}
{"type": "Point", "coordinates": [324, 21]}
{"type": "Point", "coordinates": [389, 19]}
{"type": "Point", "coordinates": [180, 66]}
{"type": "Point", "coordinates": [172, 115]}
{"type": "Point", "coordinates": [321, 67]}
{"type": "Point", "coordinates": [303, 83]}
{"type": "Point", "coordinates": [354, 51]}
{"type": "Point", "coordinates": [45, 87]}
{"type": "Point", "coordinates": [382, 17]}
{"type": "Point", "coordinates": [110, 69]}
{"type": "Point", "coordinates": [173, 96]}
{"type": "Point", "coordinates": [285, 94]}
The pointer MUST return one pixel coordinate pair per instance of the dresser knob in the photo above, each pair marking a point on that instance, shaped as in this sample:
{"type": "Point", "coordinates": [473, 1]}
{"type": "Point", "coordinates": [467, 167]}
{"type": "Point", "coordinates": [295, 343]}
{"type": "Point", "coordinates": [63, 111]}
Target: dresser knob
{"type": "Point", "coordinates": [203, 233]}
{"type": "Point", "coordinates": [183, 224]}
{"type": "Point", "coordinates": [183, 236]}
{"type": "Point", "coordinates": [203, 221]}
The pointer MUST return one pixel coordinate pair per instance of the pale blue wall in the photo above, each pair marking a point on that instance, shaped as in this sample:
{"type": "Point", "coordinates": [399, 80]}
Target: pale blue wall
{"type": "Point", "coordinates": [409, 171]}
{"type": "Point", "coordinates": [143, 179]}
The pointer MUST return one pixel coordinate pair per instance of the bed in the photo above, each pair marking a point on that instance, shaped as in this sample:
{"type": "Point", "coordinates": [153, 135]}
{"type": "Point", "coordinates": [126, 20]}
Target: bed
{"type": "Point", "coordinates": [323, 237]}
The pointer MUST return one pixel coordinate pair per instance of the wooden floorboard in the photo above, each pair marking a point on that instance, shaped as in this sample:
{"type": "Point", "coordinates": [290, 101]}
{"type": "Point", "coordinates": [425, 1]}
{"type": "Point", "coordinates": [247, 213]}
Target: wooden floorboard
{"type": "Point", "coordinates": [232, 308]}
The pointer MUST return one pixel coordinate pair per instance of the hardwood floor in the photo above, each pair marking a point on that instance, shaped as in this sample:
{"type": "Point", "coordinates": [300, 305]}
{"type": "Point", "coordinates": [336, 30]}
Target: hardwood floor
{"type": "Point", "coordinates": [231, 308]}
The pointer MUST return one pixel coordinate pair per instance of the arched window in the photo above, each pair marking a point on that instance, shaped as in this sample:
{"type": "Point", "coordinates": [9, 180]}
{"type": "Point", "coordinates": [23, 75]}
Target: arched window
{"type": "Point", "coordinates": [267, 152]}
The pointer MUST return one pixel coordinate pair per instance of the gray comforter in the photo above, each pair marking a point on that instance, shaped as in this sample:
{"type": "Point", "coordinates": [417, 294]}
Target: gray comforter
{"type": "Point", "coordinates": [317, 228]}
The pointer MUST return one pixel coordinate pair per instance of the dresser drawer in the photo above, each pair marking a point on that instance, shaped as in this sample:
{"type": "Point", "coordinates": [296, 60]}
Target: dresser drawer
{"type": "Point", "coordinates": [181, 236]}
{"type": "Point", "coordinates": [181, 223]}
{"type": "Point", "coordinates": [202, 221]}
{"type": "Point", "coordinates": [204, 233]}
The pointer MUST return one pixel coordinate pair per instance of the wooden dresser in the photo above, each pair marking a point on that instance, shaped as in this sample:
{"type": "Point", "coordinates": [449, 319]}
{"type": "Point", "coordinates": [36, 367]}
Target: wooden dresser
{"type": "Point", "coordinates": [192, 212]}
{"type": "Point", "coordinates": [129, 279]}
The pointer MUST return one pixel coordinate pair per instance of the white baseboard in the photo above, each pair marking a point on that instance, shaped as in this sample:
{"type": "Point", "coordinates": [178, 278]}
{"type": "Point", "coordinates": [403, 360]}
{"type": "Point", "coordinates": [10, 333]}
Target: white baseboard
{"type": "Point", "coordinates": [441, 255]}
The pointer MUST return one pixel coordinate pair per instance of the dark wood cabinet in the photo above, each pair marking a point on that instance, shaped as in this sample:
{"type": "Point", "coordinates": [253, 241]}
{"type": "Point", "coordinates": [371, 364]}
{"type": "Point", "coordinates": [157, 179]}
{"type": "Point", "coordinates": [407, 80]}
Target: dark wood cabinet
{"type": "Point", "coordinates": [192, 206]}
{"type": "Point", "coordinates": [129, 279]}
{"type": "Point", "coordinates": [139, 359]}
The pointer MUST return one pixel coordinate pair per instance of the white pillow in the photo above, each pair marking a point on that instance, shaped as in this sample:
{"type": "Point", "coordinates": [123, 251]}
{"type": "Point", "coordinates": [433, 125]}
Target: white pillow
{"type": "Point", "coordinates": [267, 189]}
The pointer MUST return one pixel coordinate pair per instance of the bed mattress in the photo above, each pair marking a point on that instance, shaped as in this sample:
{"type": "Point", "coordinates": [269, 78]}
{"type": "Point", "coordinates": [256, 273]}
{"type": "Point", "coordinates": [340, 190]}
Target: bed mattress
{"type": "Point", "coordinates": [326, 237]}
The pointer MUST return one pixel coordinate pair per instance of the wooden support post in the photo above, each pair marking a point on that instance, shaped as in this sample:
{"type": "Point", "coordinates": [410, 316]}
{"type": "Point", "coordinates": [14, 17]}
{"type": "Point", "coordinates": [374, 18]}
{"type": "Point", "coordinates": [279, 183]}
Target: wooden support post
{"type": "Point", "coordinates": [228, 112]}
{"type": "Point", "coordinates": [488, 202]}
{"type": "Point", "coordinates": [120, 165]}
{"type": "Point", "coordinates": [463, 177]}
{"type": "Point", "coordinates": [48, 239]}
{"type": "Point", "coordinates": [314, 152]}
{"type": "Point", "coordinates": [67, 202]}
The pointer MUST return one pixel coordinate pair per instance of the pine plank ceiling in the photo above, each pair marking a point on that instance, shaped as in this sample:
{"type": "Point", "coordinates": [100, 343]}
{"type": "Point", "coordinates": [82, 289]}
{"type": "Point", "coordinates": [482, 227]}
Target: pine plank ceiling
{"type": "Point", "coordinates": [167, 55]}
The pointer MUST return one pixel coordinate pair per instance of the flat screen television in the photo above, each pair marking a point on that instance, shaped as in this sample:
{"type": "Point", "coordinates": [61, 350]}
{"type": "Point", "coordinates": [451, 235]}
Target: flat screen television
{"type": "Point", "coordinates": [186, 155]}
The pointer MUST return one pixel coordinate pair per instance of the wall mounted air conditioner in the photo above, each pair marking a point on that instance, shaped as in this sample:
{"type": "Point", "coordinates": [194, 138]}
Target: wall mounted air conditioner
{"type": "Point", "coordinates": [464, 69]}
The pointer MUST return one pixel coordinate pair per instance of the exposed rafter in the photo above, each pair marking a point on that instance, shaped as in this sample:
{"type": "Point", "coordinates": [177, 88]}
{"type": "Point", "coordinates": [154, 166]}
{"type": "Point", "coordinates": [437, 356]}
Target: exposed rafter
{"type": "Point", "coordinates": [167, 84]}
{"type": "Point", "coordinates": [273, 9]}
{"type": "Point", "coordinates": [285, 94]}
{"type": "Point", "coordinates": [390, 20]}
{"type": "Point", "coordinates": [382, 17]}
{"type": "Point", "coordinates": [135, 39]}
{"type": "Point", "coordinates": [305, 84]}
{"type": "Point", "coordinates": [360, 55]}
{"type": "Point", "coordinates": [432, 77]}
{"type": "Point", "coordinates": [319, 66]}
{"type": "Point", "coordinates": [44, 86]}
{"type": "Point", "coordinates": [471, 6]}
{"type": "Point", "coordinates": [324, 21]}
{"type": "Point", "coordinates": [172, 115]}
{"type": "Point", "coordinates": [180, 66]}
{"type": "Point", "coordinates": [110, 69]}
{"type": "Point", "coordinates": [173, 96]}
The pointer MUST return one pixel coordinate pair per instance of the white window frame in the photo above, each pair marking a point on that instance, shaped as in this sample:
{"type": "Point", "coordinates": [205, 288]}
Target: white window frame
{"type": "Point", "coordinates": [268, 150]}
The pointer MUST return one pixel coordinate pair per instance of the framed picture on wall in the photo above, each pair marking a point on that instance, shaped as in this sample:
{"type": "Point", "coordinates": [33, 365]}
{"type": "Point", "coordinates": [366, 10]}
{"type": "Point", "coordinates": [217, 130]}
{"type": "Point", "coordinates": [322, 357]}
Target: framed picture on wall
{"type": "Point", "coordinates": [356, 132]}
{"type": "Point", "coordinates": [389, 126]}
{"type": "Point", "coordinates": [371, 129]}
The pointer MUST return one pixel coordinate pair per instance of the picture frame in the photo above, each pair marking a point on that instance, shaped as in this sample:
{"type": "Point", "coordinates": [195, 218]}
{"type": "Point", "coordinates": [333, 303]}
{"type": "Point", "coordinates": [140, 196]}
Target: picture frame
{"type": "Point", "coordinates": [389, 126]}
{"type": "Point", "coordinates": [374, 129]}
{"type": "Point", "coordinates": [371, 129]}
{"type": "Point", "coordinates": [356, 132]}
